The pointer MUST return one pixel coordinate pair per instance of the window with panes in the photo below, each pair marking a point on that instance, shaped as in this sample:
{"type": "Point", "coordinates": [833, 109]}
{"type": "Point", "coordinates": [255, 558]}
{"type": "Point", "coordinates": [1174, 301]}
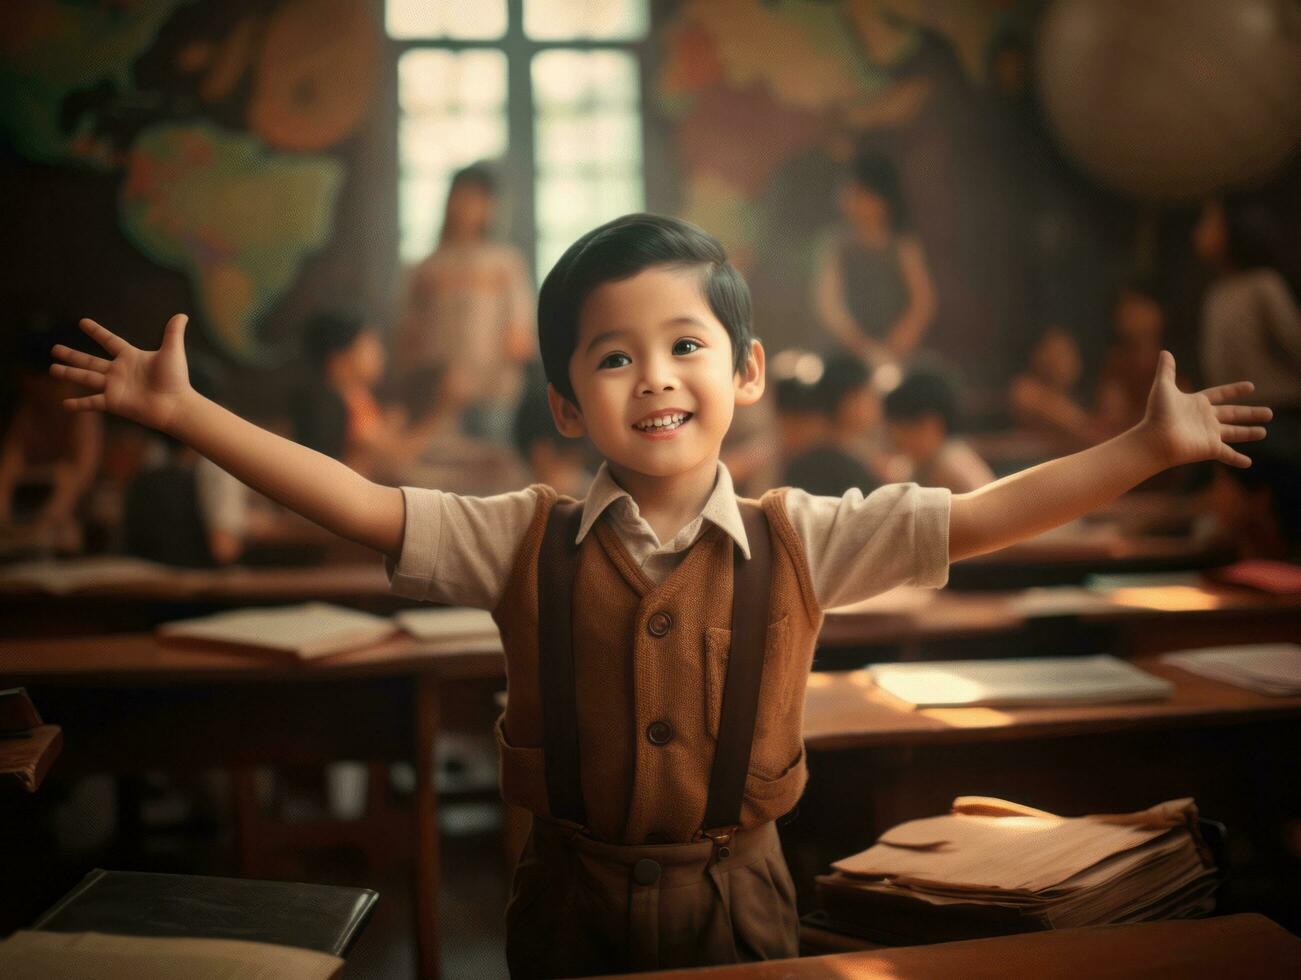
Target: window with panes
{"type": "Point", "coordinates": [551, 88]}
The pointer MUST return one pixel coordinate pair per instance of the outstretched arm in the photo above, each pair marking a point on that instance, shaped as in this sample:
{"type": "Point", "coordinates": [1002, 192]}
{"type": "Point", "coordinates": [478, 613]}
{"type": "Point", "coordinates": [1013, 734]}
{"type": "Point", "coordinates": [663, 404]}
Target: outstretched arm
{"type": "Point", "coordinates": [153, 388]}
{"type": "Point", "coordinates": [1177, 428]}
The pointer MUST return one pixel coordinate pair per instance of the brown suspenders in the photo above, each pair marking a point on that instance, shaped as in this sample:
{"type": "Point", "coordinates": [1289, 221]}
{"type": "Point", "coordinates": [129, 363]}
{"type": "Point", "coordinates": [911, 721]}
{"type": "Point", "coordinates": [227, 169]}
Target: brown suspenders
{"type": "Point", "coordinates": [557, 563]}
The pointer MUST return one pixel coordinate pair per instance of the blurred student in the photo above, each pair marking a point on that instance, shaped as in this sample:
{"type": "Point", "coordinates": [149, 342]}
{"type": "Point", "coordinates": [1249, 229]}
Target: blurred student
{"type": "Point", "coordinates": [1138, 331]}
{"type": "Point", "coordinates": [48, 460]}
{"type": "Point", "coordinates": [809, 404]}
{"type": "Point", "coordinates": [552, 459]}
{"type": "Point", "coordinates": [872, 290]}
{"type": "Point", "coordinates": [183, 509]}
{"type": "Point", "coordinates": [1251, 320]}
{"type": "Point", "coordinates": [469, 307]}
{"type": "Point", "coordinates": [1045, 397]}
{"type": "Point", "coordinates": [924, 421]}
{"type": "Point", "coordinates": [431, 449]}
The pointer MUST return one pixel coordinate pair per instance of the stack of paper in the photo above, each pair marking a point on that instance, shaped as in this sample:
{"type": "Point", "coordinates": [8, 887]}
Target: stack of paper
{"type": "Point", "coordinates": [313, 629]}
{"type": "Point", "coordinates": [447, 623]}
{"type": "Point", "coordinates": [991, 867]}
{"type": "Point", "coordinates": [1022, 681]}
{"type": "Point", "coordinates": [1269, 668]}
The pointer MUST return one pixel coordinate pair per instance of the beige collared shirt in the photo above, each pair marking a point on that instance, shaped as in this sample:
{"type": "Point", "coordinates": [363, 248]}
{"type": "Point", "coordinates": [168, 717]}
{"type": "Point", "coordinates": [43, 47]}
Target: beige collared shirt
{"type": "Point", "coordinates": [460, 550]}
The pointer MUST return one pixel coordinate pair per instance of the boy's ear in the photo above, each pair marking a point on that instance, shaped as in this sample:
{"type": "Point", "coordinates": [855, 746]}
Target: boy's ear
{"type": "Point", "coordinates": [750, 379]}
{"type": "Point", "coordinates": [567, 415]}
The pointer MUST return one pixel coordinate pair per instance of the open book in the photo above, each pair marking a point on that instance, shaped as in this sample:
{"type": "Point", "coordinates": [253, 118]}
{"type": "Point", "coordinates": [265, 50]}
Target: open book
{"type": "Point", "coordinates": [304, 632]}
{"type": "Point", "coordinates": [1024, 681]}
{"type": "Point", "coordinates": [1268, 668]}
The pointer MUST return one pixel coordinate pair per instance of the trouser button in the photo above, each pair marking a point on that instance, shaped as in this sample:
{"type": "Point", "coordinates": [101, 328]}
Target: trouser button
{"type": "Point", "coordinates": [646, 872]}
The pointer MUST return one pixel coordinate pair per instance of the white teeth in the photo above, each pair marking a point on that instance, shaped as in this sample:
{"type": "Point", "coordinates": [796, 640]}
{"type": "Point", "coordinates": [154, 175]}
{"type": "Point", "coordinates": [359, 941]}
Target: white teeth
{"type": "Point", "coordinates": [663, 422]}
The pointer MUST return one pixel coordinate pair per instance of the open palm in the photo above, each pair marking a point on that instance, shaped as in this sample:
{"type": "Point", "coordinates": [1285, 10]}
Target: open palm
{"type": "Point", "coordinates": [1201, 425]}
{"type": "Point", "coordinates": [143, 386]}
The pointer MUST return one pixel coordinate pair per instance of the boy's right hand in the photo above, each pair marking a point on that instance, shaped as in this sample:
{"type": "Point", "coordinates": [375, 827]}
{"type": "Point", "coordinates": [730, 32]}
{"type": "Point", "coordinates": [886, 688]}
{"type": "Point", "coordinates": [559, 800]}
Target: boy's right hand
{"type": "Point", "coordinates": [144, 386]}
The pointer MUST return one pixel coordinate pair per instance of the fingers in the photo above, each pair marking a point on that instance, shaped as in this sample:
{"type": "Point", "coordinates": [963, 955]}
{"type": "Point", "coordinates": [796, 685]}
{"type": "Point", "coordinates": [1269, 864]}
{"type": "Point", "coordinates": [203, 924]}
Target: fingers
{"type": "Point", "coordinates": [93, 380]}
{"type": "Point", "coordinates": [88, 403]}
{"type": "Point", "coordinates": [1242, 433]}
{"type": "Point", "coordinates": [77, 359]}
{"type": "Point", "coordinates": [103, 336]}
{"type": "Point", "coordinates": [1224, 393]}
{"type": "Point", "coordinates": [1165, 367]}
{"type": "Point", "coordinates": [174, 332]}
{"type": "Point", "coordinates": [1243, 414]}
{"type": "Point", "coordinates": [1233, 458]}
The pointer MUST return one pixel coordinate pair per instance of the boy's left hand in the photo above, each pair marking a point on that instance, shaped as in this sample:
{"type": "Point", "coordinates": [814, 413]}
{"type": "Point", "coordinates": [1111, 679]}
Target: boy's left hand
{"type": "Point", "coordinates": [1188, 428]}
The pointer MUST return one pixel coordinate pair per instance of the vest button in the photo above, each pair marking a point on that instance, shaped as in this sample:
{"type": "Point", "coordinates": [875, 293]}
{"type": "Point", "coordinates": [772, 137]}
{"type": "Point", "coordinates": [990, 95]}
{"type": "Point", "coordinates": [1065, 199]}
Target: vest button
{"type": "Point", "coordinates": [659, 624]}
{"type": "Point", "coordinates": [646, 872]}
{"type": "Point", "coordinates": [659, 732]}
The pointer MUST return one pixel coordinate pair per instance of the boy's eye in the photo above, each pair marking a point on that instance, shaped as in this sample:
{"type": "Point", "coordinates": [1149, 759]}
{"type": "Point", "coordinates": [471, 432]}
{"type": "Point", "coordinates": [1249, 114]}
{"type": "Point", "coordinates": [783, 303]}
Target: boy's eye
{"type": "Point", "coordinates": [686, 346]}
{"type": "Point", "coordinates": [614, 361]}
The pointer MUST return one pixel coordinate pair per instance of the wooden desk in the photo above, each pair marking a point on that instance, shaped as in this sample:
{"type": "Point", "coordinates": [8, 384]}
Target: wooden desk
{"type": "Point", "coordinates": [1129, 620]}
{"type": "Point", "coordinates": [136, 604]}
{"type": "Point", "coordinates": [844, 710]}
{"type": "Point", "coordinates": [875, 762]}
{"type": "Point", "coordinates": [1065, 557]}
{"type": "Point", "coordinates": [25, 761]}
{"type": "Point", "coordinates": [1230, 947]}
{"type": "Point", "coordinates": [130, 704]}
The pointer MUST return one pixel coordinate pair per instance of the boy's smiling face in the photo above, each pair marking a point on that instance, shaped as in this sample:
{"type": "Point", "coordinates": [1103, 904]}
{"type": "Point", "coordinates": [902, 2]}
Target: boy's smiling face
{"type": "Point", "coordinates": [651, 350]}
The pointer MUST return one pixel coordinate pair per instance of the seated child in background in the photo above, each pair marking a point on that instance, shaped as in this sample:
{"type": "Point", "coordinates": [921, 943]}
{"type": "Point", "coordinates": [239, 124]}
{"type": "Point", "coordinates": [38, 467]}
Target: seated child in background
{"type": "Point", "coordinates": [184, 509]}
{"type": "Point", "coordinates": [440, 454]}
{"type": "Point", "coordinates": [816, 402]}
{"type": "Point", "coordinates": [1044, 398]}
{"type": "Point", "coordinates": [924, 421]}
{"type": "Point", "coordinates": [48, 460]}
{"type": "Point", "coordinates": [336, 411]}
{"type": "Point", "coordinates": [551, 458]}
{"type": "Point", "coordinates": [654, 799]}
{"type": "Point", "coordinates": [1138, 328]}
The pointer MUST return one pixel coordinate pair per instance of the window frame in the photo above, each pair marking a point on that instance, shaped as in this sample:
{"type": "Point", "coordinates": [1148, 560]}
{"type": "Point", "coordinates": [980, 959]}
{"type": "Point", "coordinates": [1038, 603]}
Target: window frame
{"type": "Point", "coordinates": [519, 167]}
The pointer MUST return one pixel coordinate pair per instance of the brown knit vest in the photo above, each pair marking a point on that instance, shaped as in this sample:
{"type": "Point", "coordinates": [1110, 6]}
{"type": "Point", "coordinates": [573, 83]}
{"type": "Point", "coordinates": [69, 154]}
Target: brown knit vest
{"type": "Point", "coordinates": [627, 678]}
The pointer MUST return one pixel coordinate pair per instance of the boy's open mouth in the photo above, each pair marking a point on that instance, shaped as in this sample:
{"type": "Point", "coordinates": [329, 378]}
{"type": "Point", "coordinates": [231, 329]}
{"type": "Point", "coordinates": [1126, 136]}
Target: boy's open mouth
{"type": "Point", "coordinates": [663, 422]}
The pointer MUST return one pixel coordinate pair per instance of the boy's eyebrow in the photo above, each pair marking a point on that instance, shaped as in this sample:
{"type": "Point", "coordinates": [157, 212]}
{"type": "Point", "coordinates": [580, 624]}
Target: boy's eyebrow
{"type": "Point", "coordinates": [605, 335]}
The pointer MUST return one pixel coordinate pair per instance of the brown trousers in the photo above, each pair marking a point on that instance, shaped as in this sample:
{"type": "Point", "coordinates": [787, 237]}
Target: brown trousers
{"type": "Point", "coordinates": [581, 907]}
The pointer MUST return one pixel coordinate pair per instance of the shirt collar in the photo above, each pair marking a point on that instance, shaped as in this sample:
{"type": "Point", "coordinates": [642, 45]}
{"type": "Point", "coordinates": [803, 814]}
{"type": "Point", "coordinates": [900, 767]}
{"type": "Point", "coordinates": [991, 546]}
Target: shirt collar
{"type": "Point", "coordinates": [720, 509]}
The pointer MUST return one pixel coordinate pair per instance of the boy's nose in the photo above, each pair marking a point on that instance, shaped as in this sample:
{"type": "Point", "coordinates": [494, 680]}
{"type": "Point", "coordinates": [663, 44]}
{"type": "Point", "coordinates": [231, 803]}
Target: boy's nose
{"type": "Point", "coordinates": [657, 377]}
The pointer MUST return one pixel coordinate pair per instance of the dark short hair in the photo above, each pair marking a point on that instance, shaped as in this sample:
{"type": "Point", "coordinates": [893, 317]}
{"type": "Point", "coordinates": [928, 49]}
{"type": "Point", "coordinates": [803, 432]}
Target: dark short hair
{"type": "Point", "coordinates": [478, 175]}
{"type": "Point", "coordinates": [842, 375]}
{"type": "Point", "coordinates": [923, 392]}
{"type": "Point", "coordinates": [325, 334]}
{"type": "Point", "coordinates": [873, 172]}
{"type": "Point", "coordinates": [1249, 235]}
{"type": "Point", "coordinates": [534, 424]}
{"type": "Point", "coordinates": [618, 250]}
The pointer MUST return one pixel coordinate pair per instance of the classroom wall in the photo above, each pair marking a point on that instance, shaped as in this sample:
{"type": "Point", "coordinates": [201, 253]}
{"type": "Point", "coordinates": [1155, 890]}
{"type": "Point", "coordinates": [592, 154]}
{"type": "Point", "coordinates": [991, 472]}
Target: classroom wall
{"type": "Point", "coordinates": [236, 160]}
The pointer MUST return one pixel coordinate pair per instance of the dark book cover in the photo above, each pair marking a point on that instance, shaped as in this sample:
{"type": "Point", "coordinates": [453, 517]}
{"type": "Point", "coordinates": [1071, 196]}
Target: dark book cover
{"type": "Point", "coordinates": [325, 918]}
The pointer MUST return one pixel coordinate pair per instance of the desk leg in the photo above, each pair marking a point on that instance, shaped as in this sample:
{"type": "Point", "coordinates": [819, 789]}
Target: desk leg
{"type": "Point", "coordinates": [426, 816]}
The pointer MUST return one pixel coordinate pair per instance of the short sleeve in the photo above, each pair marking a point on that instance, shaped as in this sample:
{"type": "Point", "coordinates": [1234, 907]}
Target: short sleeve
{"type": "Point", "coordinates": [858, 547]}
{"type": "Point", "coordinates": [459, 550]}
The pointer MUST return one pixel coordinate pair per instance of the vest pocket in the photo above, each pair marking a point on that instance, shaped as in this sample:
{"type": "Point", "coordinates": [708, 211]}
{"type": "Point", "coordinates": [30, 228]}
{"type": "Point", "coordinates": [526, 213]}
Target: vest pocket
{"type": "Point", "coordinates": [777, 738]}
{"type": "Point", "coordinates": [522, 777]}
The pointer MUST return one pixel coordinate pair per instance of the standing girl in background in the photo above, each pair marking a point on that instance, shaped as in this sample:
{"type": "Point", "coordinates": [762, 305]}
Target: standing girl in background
{"type": "Point", "coordinates": [469, 308]}
{"type": "Point", "coordinates": [872, 290]}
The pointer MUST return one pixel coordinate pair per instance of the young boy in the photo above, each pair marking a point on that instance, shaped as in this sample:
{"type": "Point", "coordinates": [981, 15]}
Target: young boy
{"type": "Point", "coordinates": [924, 422]}
{"type": "Point", "coordinates": [655, 734]}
